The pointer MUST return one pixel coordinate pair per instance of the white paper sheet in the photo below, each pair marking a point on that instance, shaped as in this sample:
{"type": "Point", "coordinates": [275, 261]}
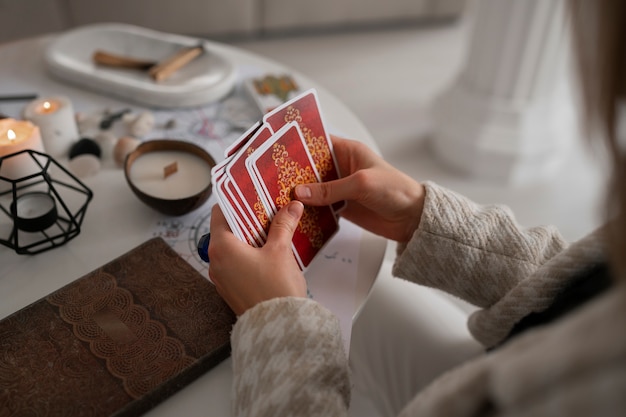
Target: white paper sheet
{"type": "Point", "coordinates": [332, 276]}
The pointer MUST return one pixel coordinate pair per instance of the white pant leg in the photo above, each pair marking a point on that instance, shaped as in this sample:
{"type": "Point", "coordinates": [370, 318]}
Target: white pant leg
{"type": "Point", "coordinates": [405, 336]}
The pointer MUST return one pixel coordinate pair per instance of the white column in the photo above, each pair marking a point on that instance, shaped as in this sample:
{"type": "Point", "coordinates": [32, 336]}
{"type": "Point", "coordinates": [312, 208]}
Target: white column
{"type": "Point", "coordinates": [508, 115]}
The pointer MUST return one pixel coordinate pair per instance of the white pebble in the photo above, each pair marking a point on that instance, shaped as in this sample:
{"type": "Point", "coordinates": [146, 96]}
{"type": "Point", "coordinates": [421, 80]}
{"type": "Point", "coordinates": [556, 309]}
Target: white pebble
{"type": "Point", "coordinates": [88, 124]}
{"type": "Point", "coordinates": [129, 118]}
{"type": "Point", "coordinates": [123, 147]}
{"type": "Point", "coordinates": [85, 165]}
{"type": "Point", "coordinates": [142, 125]}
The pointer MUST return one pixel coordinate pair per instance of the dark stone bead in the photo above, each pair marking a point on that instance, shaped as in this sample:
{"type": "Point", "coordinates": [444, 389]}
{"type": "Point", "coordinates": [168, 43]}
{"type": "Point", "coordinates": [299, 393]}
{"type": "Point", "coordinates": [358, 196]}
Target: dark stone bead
{"type": "Point", "coordinates": [85, 146]}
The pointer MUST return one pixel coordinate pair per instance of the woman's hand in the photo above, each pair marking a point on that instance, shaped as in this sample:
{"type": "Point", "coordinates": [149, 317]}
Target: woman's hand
{"type": "Point", "coordinates": [245, 276]}
{"type": "Point", "coordinates": [380, 198]}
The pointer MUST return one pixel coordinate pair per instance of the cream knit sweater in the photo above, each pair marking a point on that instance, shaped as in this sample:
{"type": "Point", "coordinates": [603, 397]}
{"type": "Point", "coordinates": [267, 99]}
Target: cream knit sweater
{"type": "Point", "coordinates": [288, 358]}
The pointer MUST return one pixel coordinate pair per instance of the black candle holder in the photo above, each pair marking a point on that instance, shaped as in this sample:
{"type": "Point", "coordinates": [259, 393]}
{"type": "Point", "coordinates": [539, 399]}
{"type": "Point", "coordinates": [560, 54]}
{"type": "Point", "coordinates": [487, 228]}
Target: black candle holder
{"type": "Point", "coordinates": [42, 210]}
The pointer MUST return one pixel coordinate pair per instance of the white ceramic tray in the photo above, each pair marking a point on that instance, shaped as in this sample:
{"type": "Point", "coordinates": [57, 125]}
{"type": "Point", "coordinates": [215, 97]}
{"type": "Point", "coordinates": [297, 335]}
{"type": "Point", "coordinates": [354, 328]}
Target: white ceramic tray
{"type": "Point", "coordinates": [206, 79]}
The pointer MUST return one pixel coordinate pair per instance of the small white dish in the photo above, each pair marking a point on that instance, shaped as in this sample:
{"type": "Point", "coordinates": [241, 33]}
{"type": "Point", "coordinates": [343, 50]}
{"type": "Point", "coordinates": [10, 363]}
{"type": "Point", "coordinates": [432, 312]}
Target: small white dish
{"type": "Point", "coordinates": [206, 79]}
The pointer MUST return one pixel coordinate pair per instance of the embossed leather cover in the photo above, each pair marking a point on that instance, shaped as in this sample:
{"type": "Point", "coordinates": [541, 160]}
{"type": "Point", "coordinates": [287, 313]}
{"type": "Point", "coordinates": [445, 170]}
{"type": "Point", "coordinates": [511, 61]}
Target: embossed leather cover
{"type": "Point", "coordinates": [117, 341]}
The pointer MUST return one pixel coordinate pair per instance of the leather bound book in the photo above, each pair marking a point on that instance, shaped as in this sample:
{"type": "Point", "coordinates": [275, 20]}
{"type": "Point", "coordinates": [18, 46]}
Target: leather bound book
{"type": "Point", "coordinates": [115, 342]}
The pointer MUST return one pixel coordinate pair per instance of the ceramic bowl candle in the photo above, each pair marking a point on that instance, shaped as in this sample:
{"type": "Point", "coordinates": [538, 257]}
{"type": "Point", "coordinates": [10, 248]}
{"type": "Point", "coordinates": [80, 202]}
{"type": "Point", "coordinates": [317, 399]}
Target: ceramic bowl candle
{"type": "Point", "coordinates": [171, 176]}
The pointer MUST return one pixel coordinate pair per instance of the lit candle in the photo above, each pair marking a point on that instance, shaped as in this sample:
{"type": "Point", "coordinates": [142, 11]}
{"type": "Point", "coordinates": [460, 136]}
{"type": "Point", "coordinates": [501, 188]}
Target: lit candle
{"type": "Point", "coordinates": [192, 176]}
{"type": "Point", "coordinates": [47, 106]}
{"type": "Point", "coordinates": [15, 136]}
{"type": "Point", "coordinates": [55, 117]}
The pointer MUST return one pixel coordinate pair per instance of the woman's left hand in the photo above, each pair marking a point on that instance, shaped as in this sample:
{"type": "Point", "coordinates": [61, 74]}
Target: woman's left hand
{"type": "Point", "coordinates": [245, 276]}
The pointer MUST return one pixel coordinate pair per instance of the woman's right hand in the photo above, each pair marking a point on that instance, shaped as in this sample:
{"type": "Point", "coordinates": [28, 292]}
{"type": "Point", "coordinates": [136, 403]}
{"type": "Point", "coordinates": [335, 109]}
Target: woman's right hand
{"type": "Point", "coordinates": [380, 198]}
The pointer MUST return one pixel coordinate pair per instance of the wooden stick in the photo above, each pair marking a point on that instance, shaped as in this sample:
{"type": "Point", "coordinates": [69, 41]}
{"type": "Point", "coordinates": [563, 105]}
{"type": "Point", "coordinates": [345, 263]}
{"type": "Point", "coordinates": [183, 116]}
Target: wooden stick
{"type": "Point", "coordinates": [112, 60]}
{"type": "Point", "coordinates": [167, 67]}
{"type": "Point", "coordinates": [170, 169]}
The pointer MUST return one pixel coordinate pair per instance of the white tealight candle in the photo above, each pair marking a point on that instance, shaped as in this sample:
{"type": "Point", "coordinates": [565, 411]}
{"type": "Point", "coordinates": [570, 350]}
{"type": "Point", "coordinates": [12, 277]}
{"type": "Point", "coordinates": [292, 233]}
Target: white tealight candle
{"type": "Point", "coordinates": [35, 211]}
{"type": "Point", "coordinates": [55, 117]}
{"type": "Point", "coordinates": [192, 176]}
{"type": "Point", "coordinates": [15, 136]}
{"type": "Point", "coordinates": [34, 205]}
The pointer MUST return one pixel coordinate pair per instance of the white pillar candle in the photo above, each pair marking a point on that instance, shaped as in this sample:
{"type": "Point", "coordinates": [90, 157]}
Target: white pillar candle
{"type": "Point", "coordinates": [55, 117]}
{"type": "Point", "coordinates": [15, 136]}
{"type": "Point", "coordinates": [192, 176]}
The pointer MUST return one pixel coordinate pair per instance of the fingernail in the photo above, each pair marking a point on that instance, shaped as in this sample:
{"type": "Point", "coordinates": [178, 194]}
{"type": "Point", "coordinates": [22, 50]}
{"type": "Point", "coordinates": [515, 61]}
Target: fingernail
{"type": "Point", "coordinates": [302, 191]}
{"type": "Point", "coordinates": [295, 209]}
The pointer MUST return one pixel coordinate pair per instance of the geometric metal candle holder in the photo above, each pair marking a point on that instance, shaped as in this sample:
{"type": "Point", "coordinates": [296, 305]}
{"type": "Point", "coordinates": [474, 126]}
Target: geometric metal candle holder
{"type": "Point", "coordinates": [43, 209]}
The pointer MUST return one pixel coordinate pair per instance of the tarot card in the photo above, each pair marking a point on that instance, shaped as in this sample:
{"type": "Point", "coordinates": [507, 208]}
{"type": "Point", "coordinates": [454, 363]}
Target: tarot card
{"type": "Point", "coordinates": [305, 110]}
{"type": "Point", "coordinates": [280, 164]}
{"type": "Point", "coordinates": [244, 220]}
{"type": "Point", "coordinates": [225, 205]}
{"type": "Point", "coordinates": [246, 188]}
{"type": "Point", "coordinates": [218, 170]}
{"type": "Point", "coordinates": [220, 194]}
{"type": "Point", "coordinates": [236, 223]}
{"type": "Point", "coordinates": [242, 140]}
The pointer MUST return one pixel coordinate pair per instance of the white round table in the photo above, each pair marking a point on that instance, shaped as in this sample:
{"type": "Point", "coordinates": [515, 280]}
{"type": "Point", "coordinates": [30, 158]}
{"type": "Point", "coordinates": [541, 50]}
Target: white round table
{"type": "Point", "coordinates": [115, 221]}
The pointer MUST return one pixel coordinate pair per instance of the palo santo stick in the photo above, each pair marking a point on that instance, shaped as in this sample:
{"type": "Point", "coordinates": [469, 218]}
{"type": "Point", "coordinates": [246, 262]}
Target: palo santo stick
{"type": "Point", "coordinates": [170, 169]}
{"type": "Point", "coordinates": [164, 69]}
{"type": "Point", "coordinates": [112, 60]}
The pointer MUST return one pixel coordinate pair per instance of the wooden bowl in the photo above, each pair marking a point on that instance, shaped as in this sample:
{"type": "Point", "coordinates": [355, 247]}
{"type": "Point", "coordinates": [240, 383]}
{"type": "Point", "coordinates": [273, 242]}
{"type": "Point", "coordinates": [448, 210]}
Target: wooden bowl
{"type": "Point", "coordinates": [175, 205]}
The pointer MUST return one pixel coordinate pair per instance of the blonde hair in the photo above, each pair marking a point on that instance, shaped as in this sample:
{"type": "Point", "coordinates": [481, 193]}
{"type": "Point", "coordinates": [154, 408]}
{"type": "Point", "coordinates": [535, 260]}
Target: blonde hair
{"type": "Point", "coordinates": [599, 33]}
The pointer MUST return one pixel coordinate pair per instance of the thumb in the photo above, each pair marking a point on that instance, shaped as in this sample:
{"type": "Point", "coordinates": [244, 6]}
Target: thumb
{"type": "Point", "coordinates": [285, 222]}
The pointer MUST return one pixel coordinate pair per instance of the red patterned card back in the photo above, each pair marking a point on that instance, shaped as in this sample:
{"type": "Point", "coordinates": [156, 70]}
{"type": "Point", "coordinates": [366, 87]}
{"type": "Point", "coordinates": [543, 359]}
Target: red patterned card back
{"type": "Point", "coordinates": [281, 164]}
{"type": "Point", "coordinates": [117, 341]}
{"type": "Point", "coordinates": [305, 110]}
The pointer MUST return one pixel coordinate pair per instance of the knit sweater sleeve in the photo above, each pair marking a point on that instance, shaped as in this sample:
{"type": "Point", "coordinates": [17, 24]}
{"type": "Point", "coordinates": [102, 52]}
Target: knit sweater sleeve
{"type": "Point", "coordinates": [475, 252]}
{"type": "Point", "coordinates": [288, 359]}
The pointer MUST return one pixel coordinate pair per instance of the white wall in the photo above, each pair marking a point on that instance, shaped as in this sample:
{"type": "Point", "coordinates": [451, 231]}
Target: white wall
{"type": "Point", "coordinates": [210, 18]}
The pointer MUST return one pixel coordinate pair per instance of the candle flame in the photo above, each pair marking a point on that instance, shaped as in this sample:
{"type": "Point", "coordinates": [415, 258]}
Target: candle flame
{"type": "Point", "coordinates": [46, 105]}
{"type": "Point", "coordinates": [11, 134]}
